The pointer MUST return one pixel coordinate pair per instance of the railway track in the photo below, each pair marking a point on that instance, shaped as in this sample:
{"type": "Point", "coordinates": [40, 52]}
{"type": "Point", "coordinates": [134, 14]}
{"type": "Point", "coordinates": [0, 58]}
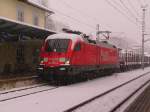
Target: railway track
{"type": "Point", "coordinates": [141, 103]}
{"type": "Point", "coordinates": [21, 89]}
{"type": "Point", "coordinates": [127, 98]}
{"type": "Point", "coordinates": [74, 108]}
{"type": "Point", "coordinates": [13, 94]}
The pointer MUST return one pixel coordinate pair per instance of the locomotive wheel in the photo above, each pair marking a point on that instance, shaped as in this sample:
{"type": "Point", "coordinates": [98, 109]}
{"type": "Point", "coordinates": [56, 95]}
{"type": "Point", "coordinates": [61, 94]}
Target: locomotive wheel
{"type": "Point", "coordinates": [62, 80]}
{"type": "Point", "coordinates": [43, 77]}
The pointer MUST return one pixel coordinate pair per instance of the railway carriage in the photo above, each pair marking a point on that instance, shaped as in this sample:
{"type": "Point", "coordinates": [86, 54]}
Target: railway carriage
{"type": "Point", "coordinates": [130, 59]}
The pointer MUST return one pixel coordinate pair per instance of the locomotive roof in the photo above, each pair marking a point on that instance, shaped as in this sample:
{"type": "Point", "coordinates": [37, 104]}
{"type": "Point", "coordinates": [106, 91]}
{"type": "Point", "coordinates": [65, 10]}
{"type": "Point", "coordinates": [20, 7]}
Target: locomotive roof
{"type": "Point", "coordinates": [107, 45]}
{"type": "Point", "coordinates": [73, 37]}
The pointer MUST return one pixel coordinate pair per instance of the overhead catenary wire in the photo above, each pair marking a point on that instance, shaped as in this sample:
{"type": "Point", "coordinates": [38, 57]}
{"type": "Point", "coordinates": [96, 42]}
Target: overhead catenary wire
{"type": "Point", "coordinates": [92, 26]}
{"type": "Point", "coordinates": [63, 14]}
{"type": "Point", "coordinates": [129, 11]}
{"type": "Point", "coordinates": [128, 17]}
{"type": "Point", "coordinates": [80, 12]}
{"type": "Point", "coordinates": [120, 6]}
{"type": "Point", "coordinates": [124, 9]}
{"type": "Point", "coordinates": [118, 10]}
{"type": "Point", "coordinates": [72, 8]}
{"type": "Point", "coordinates": [89, 16]}
{"type": "Point", "coordinates": [134, 9]}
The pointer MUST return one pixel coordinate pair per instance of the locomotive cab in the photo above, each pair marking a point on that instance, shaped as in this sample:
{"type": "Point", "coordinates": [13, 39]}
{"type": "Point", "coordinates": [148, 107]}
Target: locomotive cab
{"type": "Point", "coordinates": [56, 53]}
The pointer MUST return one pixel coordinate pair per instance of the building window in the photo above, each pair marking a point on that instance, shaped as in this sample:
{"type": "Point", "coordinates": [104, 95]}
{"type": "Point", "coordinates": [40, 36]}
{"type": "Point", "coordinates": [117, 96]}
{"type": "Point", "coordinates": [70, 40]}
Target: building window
{"type": "Point", "coordinates": [35, 19]}
{"type": "Point", "coordinates": [20, 56]}
{"type": "Point", "coordinates": [20, 14]}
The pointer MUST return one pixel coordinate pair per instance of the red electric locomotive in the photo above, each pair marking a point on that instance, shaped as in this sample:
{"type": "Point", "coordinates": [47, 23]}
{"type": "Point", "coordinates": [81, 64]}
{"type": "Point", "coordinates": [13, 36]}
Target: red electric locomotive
{"type": "Point", "coordinates": [68, 55]}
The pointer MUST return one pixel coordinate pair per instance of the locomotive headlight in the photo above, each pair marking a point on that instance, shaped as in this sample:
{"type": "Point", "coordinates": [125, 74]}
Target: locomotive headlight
{"type": "Point", "coordinates": [64, 60]}
{"type": "Point", "coordinates": [45, 59]}
{"type": "Point", "coordinates": [67, 62]}
{"type": "Point", "coordinates": [41, 60]}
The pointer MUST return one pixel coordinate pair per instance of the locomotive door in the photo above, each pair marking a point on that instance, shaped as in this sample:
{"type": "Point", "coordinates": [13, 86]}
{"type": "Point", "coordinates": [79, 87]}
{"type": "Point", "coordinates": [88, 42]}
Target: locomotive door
{"type": "Point", "coordinates": [77, 58]}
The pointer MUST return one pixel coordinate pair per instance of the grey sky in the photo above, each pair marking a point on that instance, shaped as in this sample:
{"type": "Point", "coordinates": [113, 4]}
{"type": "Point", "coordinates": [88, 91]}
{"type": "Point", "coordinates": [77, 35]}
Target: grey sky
{"type": "Point", "coordinates": [92, 12]}
{"type": "Point", "coordinates": [85, 14]}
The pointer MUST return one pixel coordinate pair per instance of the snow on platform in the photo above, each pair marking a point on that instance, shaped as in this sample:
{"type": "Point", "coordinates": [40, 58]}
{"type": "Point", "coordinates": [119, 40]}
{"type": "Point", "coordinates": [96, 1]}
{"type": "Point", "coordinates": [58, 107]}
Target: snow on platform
{"type": "Point", "coordinates": [61, 99]}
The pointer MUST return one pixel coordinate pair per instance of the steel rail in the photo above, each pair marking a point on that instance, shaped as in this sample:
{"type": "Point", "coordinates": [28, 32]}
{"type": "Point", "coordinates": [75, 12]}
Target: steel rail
{"type": "Point", "coordinates": [18, 78]}
{"type": "Point", "coordinates": [102, 94]}
{"type": "Point", "coordinates": [127, 98]}
{"type": "Point", "coordinates": [28, 94]}
{"type": "Point", "coordinates": [26, 88]}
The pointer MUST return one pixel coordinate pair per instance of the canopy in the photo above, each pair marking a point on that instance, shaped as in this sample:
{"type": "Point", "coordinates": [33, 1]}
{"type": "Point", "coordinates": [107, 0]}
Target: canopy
{"type": "Point", "coordinates": [20, 28]}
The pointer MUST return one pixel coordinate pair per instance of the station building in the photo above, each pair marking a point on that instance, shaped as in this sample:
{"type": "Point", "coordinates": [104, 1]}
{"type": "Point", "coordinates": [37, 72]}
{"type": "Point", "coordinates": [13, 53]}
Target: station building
{"type": "Point", "coordinates": [22, 31]}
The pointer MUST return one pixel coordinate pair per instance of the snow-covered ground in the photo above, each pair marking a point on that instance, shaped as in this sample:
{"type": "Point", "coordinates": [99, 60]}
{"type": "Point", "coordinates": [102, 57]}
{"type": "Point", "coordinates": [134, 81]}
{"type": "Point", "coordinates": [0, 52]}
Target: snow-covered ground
{"type": "Point", "coordinates": [61, 99]}
{"type": "Point", "coordinates": [108, 102]}
{"type": "Point", "coordinates": [21, 88]}
{"type": "Point", "coordinates": [129, 101]}
{"type": "Point", "coordinates": [25, 92]}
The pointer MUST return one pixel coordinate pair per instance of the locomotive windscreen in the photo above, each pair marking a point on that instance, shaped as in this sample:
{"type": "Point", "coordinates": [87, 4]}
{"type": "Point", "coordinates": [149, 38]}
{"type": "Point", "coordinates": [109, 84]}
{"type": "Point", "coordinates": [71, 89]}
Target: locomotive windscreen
{"type": "Point", "coordinates": [57, 45]}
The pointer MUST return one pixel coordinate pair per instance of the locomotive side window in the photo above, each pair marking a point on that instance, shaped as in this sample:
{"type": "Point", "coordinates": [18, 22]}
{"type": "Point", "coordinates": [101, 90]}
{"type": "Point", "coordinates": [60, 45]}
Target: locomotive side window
{"type": "Point", "coordinates": [77, 47]}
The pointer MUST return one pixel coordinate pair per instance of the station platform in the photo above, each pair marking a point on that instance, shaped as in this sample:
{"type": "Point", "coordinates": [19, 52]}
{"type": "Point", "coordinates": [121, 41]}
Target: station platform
{"type": "Point", "coordinates": [17, 80]}
{"type": "Point", "coordinates": [142, 103]}
{"type": "Point", "coordinates": [12, 76]}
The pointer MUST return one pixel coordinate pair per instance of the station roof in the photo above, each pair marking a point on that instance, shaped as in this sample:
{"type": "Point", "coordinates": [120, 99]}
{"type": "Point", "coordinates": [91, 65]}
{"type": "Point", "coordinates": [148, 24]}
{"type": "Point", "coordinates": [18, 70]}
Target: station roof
{"type": "Point", "coordinates": [16, 27]}
{"type": "Point", "coordinates": [37, 5]}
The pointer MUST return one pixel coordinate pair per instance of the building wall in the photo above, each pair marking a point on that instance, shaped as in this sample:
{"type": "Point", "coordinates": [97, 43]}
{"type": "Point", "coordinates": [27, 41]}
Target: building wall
{"type": "Point", "coordinates": [8, 9]}
{"type": "Point", "coordinates": [19, 57]}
